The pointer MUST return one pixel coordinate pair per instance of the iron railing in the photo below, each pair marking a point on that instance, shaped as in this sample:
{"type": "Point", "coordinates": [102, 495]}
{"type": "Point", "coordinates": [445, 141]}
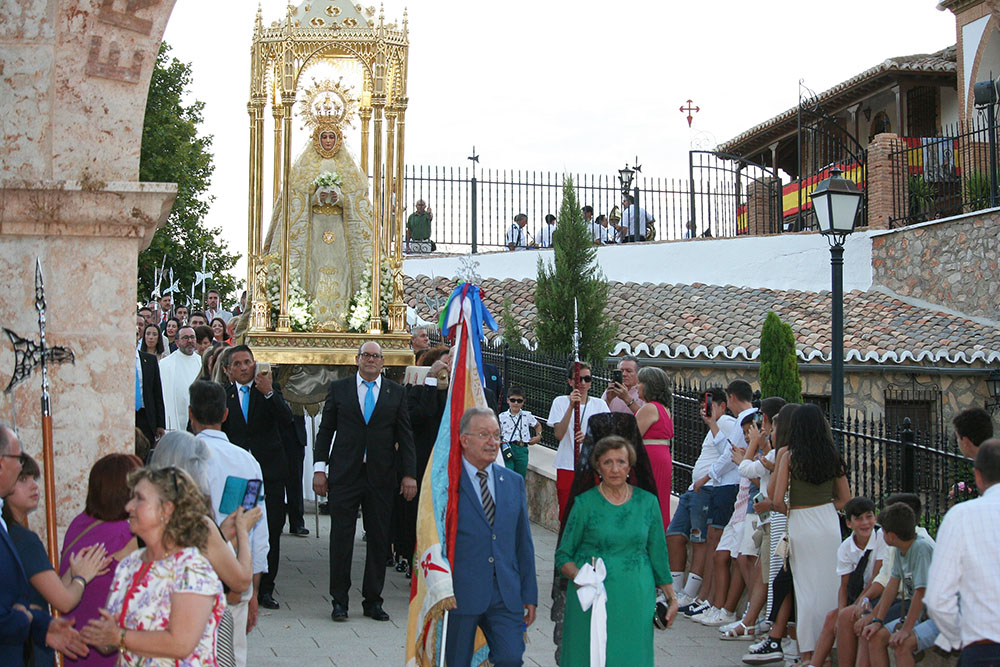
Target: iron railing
{"type": "Point", "coordinates": [936, 177]}
{"type": "Point", "coordinates": [882, 458]}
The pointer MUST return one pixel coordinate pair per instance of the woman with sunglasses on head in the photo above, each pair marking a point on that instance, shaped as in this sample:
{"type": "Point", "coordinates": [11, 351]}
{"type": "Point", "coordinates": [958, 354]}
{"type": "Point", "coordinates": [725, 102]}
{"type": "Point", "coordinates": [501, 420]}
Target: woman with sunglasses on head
{"type": "Point", "coordinates": [168, 588]}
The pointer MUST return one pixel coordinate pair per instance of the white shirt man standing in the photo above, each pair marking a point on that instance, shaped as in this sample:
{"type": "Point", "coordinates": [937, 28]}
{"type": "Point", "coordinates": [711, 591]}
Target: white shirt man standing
{"type": "Point", "coordinates": [561, 420]}
{"type": "Point", "coordinates": [213, 307]}
{"type": "Point", "coordinates": [207, 412]}
{"type": "Point", "coordinates": [177, 372]}
{"type": "Point", "coordinates": [547, 233]}
{"type": "Point", "coordinates": [962, 585]}
{"type": "Point", "coordinates": [517, 235]}
{"type": "Point", "coordinates": [632, 226]}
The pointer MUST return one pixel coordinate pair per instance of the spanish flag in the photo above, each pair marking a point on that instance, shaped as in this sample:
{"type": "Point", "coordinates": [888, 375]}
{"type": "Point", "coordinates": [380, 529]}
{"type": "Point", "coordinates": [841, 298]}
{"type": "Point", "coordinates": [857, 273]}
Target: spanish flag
{"type": "Point", "coordinates": [431, 590]}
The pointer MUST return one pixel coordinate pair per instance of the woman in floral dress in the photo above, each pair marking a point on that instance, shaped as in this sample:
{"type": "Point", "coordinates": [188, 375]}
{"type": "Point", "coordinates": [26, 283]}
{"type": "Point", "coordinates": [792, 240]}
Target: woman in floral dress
{"type": "Point", "coordinates": [166, 601]}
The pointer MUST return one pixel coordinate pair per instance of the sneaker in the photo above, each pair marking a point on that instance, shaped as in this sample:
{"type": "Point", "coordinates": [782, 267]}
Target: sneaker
{"type": "Point", "coordinates": [683, 599]}
{"type": "Point", "coordinates": [697, 616]}
{"type": "Point", "coordinates": [693, 608]}
{"type": "Point", "coordinates": [763, 652]}
{"type": "Point", "coordinates": [697, 607]}
{"type": "Point", "coordinates": [791, 651]}
{"type": "Point", "coordinates": [720, 617]}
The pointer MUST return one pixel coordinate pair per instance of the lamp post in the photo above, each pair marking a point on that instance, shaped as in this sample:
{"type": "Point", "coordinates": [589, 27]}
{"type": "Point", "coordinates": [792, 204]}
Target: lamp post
{"type": "Point", "coordinates": [993, 387]}
{"type": "Point", "coordinates": [625, 176]}
{"type": "Point", "coordinates": [835, 202]}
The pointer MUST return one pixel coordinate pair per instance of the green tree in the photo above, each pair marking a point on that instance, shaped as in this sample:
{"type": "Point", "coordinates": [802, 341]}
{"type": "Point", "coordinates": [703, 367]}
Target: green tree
{"type": "Point", "coordinates": [174, 152]}
{"type": "Point", "coordinates": [511, 333]}
{"type": "Point", "coordinates": [575, 274]}
{"type": "Point", "coordinates": [779, 367]}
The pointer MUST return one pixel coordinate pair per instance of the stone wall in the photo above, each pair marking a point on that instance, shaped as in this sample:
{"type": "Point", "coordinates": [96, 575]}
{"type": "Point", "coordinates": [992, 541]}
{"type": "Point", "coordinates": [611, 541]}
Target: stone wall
{"type": "Point", "coordinates": [950, 262]}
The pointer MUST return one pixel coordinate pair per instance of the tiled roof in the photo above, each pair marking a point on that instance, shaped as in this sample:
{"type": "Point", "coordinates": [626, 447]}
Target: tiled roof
{"type": "Point", "coordinates": [723, 322]}
{"type": "Point", "coordinates": [943, 61]}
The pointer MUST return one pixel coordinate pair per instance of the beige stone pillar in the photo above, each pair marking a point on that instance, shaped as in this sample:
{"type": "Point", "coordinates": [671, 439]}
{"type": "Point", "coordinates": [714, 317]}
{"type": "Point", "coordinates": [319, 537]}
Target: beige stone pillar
{"type": "Point", "coordinates": [73, 97]}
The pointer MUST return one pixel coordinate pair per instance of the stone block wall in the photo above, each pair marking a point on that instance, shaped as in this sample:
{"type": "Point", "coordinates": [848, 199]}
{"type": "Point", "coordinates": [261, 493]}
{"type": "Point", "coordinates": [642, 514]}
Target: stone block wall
{"type": "Point", "coordinates": [951, 262]}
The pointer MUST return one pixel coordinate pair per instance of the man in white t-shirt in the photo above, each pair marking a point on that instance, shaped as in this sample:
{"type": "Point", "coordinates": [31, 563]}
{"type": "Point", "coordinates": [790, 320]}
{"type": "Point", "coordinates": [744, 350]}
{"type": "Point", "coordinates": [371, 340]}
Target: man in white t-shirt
{"type": "Point", "coordinates": [561, 419]}
{"type": "Point", "coordinates": [547, 233]}
{"type": "Point", "coordinates": [517, 233]}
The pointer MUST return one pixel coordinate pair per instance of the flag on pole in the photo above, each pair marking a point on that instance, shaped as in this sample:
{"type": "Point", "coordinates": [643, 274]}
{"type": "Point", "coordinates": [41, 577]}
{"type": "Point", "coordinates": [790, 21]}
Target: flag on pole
{"type": "Point", "coordinates": [431, 589]}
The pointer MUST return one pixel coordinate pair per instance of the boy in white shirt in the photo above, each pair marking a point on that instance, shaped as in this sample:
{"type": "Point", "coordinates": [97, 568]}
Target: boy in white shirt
{"type": "Point", "coordinates": [516, 426]}
{"type": "Point", "coordinates": [859, 559]}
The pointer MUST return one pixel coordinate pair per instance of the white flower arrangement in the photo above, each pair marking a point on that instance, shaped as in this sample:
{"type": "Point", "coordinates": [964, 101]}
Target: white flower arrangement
{"type": "Point", "coordinates": [328, 179]}
{"type": "Point", "coordinates": [360, 308]}
{"type": "Point", "coordinates": [300, 305]}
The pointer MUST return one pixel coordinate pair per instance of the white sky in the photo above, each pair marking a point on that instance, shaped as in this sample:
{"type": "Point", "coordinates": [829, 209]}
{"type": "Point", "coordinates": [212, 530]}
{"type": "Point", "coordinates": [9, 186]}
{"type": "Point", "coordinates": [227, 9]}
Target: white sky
{"type": "Point", "coordinates": [581, 86]}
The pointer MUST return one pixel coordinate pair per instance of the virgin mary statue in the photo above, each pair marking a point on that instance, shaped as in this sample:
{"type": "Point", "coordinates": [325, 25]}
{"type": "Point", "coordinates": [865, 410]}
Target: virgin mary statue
{"type": "Point", "coordinates": [330, 225]}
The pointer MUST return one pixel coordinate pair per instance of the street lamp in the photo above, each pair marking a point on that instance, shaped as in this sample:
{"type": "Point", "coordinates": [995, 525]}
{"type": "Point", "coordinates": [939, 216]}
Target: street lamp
{"type": "Point", "coordinates": [993, 387]}
{"type": "Point", "coordinates": [836, 201]}
{"type": "Point", "coordinates": [625, 175]}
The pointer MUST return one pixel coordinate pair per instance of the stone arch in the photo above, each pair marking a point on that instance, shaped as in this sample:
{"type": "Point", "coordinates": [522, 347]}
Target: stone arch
{"type": "Point", "coordinates": [987, 59]}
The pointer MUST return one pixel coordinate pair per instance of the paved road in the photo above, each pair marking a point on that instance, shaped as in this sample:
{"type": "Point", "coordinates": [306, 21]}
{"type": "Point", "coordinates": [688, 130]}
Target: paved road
{"type": "Point", "coordinates": [301, 633]}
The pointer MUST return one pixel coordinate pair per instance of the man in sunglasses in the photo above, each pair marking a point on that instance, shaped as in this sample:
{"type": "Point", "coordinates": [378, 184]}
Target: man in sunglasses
{"type": "Point", "coordinates": [562, 421]}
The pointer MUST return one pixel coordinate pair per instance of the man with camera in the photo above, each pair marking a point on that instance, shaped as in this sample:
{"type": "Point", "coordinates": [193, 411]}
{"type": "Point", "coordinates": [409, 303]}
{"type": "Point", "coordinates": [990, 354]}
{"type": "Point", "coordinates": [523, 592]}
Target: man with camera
{"type": "Point", "coordinates": [622, 395]}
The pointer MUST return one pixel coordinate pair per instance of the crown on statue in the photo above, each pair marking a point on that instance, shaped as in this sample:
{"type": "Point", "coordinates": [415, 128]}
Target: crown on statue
{"type": "Point", "coordinates": [328, 102]}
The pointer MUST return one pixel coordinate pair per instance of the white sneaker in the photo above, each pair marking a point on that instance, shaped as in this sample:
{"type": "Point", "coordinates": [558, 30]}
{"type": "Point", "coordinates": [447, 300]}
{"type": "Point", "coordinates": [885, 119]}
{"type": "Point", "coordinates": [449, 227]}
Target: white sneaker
{"type": "Point", "coordinates": [720, 617]}
{"type": "Point", "coordinates": [790, 649]}
{"type": "Point", "coordinates": [765, 651]}
{"type": "Point", "coordinates": [683, 599]}
{"type": "Point", "coordinates": [696, 607]}
{"type": "Point", "coordinates": [702, 614]}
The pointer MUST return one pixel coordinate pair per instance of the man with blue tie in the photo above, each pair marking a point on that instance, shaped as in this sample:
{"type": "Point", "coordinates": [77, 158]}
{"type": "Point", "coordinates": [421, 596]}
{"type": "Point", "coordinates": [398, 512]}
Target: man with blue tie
{"type": "Point", "coordinates": [372, 450]}
{"type": "Point", "coordinates": [20, 622]}
{"type": "Point", "coordinates": [494, 568]}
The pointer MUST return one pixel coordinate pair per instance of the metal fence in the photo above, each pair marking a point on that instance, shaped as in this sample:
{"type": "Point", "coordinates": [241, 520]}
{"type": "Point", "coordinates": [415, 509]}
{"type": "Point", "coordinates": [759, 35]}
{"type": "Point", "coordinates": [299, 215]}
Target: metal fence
{"type": "Point", "coordinates": [882, 458]}
{"type": "Point", "coordinates": [475, 208]}
{"type": "Point", "coordinates": [935, 177]}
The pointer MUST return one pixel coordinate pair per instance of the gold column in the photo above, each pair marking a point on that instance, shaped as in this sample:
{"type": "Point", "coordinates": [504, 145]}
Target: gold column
{"type": "Point", "coordinates": [397, 310]}
{"type": "Point", "coordinates": [259, 173]}
{"type": "Point", "coordinates": [278, 112]}
{"type": "Point", "coordinates": [287, 102]}
{"type": "Point", "coordinates": [375, 323]}
{"type": "Point", "coordinates": [389, 228]}
{"type": "Point", "coordinates": [365, 114]}
{"type": "Point", "coordinates": [251, 223]}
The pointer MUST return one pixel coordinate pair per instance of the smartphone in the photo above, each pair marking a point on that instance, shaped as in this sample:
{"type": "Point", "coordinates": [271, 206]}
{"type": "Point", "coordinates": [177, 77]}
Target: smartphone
{"type": "Point", "coordinates": [263, 367]}
{"type": "Point", "coordinates": [708, 404]}
{"type": "Point", "coordinates": [616, 375]}
{"type": "Point", "coordinates": [236, 492]}
{"type": "Point", "coordinates": [756, 499]}
{"type": "Point", "coordinates": [252, 494]}
{"type": "Point", "coordinates": [758, 419]}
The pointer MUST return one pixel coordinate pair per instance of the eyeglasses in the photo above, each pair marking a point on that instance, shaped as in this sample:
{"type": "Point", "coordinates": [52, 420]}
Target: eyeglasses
{"type": "Point", "coordinates": [185, 338]}
{"type": "Point", "coordinates": [586, 378]}
{"type": "Point", "coordinates": [484, 436]}
{"type": "Point", "coordinates": [13, 456]}
{"type": "Point", "coordinates": [515, 400]}
{"type": "Point", "coordinates": [372, 356]}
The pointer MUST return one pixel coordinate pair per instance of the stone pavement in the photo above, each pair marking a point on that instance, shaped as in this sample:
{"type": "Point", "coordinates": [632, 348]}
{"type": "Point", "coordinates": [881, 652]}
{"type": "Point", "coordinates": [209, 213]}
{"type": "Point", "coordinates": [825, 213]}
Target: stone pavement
{"type": "Point", "coordinates": [301, 633]}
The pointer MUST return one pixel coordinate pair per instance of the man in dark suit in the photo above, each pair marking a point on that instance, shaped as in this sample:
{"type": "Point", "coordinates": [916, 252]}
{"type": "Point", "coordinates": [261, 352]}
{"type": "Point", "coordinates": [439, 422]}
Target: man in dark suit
{"type": "Point", "coordinates": [19, 621]}
{"type": "Point", "coordinates": [150, 417]}
{"type": "Point", "coordinates": [257, 416]}
{"type": "Point", "coordinates": [368, 413]}
{"type": "Point", "coordinates": [494, 537]}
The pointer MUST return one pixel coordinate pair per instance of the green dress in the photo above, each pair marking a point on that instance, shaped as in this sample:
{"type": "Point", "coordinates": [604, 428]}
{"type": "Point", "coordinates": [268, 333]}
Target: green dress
{"type": "Point", "coordinates": [630, 539]}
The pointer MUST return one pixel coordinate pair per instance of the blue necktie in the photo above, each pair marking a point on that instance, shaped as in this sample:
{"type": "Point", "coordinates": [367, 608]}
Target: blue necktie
{"type": "Point", "coordinates": [369, 400]}
{"type": "Point", "coordinates": [138, 388]}
{"type": "Point", "coordinates": [245, 401]}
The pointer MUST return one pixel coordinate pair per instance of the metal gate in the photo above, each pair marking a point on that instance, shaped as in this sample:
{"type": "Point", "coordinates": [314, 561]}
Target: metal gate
{"type": "Point", "coordinates": [732, 196]}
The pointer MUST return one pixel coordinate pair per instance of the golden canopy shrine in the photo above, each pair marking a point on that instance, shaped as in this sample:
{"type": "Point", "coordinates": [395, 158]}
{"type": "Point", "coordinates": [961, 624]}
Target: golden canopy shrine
{"type": "Point", "coordinates": [328, 274]}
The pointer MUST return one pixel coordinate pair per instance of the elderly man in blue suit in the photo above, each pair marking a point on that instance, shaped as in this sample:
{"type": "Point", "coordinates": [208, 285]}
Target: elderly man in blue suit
{"type": "Point", "coordinates": [20, 622]}
{"type": "Point", "coordinates": [494, 568]}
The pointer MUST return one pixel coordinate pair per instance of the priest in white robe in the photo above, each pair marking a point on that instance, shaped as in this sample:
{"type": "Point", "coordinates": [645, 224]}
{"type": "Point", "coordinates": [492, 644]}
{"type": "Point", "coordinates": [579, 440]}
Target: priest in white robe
{"type": "Point", "coordinates": [177, 372]}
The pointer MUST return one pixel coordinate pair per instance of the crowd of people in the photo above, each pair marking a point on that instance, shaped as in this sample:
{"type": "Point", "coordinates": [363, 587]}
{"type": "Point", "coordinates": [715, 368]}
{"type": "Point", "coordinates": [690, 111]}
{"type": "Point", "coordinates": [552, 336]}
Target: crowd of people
{"type": "Point", "coordinates": [626, 226]}
{"type": "Point", "coordinates": [177, 546]}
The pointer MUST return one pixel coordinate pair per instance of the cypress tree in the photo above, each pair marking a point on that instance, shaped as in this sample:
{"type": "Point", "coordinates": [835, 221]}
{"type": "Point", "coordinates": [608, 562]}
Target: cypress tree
{"type": "Point", "coordinates": [779, 368]}
{"type": "Point", "coordinates": [511, 333]}
{"type": "Point", "coordinates": [574, 274]}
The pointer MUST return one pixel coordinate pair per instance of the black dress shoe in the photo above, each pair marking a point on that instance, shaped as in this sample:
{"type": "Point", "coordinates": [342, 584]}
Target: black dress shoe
{"type": "Point", "coordinates": [339, 613]}
{"type": "Point", "coordinates": [267, 601]}
{"type": "Point", "coordinates": [376, 613]}
{"type": "Point", "coordinates": [300, 532]}
{"type": "Point", "coordinates": [402, 565]}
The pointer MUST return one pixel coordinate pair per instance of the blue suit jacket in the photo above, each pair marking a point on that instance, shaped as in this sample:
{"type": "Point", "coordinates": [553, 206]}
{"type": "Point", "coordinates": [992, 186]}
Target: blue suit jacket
{"type": "Point", "coordinates": [504, 548]}
{"type": "Point", "coordinates": [14, 627]}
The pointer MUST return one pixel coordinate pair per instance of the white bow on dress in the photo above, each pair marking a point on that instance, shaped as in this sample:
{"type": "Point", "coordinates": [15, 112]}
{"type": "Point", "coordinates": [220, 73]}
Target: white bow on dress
{"type": "Point", "coordinates": [591, 593]}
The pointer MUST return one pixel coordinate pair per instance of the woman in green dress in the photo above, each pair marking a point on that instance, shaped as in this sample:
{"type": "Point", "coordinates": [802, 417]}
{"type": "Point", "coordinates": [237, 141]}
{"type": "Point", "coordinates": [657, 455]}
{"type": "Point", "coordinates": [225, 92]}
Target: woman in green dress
{"type": "Point", "coordinates": [622, 525]}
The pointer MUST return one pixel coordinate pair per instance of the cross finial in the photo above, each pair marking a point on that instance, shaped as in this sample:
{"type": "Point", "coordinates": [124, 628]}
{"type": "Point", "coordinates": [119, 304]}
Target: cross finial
{"type": "Point", "coordinates": [690, 110]}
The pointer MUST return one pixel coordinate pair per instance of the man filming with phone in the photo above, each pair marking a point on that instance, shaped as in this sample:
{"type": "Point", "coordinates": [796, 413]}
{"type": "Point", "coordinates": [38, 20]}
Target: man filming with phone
{"type": "Point", "coordinates": [622, 395]}
{"type": "Point", "coordinates": [207, 411]}
{"type": "Point", "coordinates": [257, 415]}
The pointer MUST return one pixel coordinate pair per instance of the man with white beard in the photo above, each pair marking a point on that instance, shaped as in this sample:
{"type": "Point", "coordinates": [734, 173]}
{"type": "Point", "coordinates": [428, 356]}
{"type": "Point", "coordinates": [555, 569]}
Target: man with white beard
{"type": "Point", "coordinates": [177, 372]}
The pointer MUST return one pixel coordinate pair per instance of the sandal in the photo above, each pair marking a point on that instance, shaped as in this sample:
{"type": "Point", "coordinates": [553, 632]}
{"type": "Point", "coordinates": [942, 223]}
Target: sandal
{"type": "Point", "coordinates": [741, 633]}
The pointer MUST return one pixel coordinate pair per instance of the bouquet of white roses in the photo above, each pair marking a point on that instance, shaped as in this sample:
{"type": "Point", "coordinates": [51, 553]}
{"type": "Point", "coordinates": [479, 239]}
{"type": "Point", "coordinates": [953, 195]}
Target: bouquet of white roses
{"type": "Point", "coordinates": [327, 179]}
{"type": "Point", "coordinates": [300, 306]}
{"type": "Point", "coordinates": [360, 308]}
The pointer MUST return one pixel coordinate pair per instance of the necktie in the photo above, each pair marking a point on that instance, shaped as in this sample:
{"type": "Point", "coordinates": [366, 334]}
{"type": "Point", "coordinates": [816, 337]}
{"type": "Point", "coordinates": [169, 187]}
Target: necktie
{"type": "Point", "coordinates": [369, 400]}
{"type": "Point", "coordinates": [484, 490]}
{"type": "Point", "coordinates": [138, 387]}
{"type": "Point", "coordinates": [245, 401]}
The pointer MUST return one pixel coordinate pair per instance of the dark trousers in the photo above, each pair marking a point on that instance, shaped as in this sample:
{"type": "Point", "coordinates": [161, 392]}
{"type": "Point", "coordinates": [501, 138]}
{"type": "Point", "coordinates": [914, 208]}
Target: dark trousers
{"type": "Point", "coordinates": [142, 423]}
{"type": "Point", "coordinates": [294, 438]}
{"type": "Point", "coordinates": [504, 630]}
{"type": "Point", "coordinates": [980, 655]}
{"type": "Point", "coordinates": [274, 502]}
{"type": "Point", "coordinates": [404, 527]}
{"type": "Point", "coordinates": [376, 510]}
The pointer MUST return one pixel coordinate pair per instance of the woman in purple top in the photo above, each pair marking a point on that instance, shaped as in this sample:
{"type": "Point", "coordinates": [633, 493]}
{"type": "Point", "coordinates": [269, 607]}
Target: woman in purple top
{"type": "Point", "coordinates": [103, 521]}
